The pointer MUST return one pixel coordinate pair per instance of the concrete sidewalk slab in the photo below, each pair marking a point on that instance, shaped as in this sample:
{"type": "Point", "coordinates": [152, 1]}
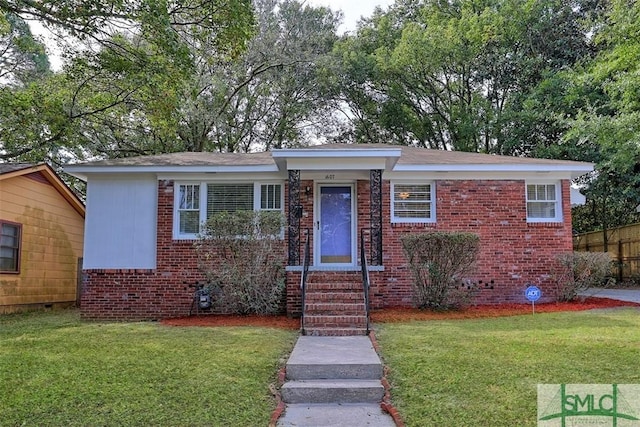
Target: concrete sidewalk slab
{"type": "Point", "coordinates": [335, 415]}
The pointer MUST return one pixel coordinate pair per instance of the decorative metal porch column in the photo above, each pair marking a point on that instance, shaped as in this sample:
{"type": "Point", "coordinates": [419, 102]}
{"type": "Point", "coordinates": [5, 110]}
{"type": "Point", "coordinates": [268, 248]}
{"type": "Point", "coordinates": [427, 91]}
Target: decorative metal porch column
{"type": "Point", "coordinates": [375, 186]}
{"type": "Point", "coordinates": [295, 212]}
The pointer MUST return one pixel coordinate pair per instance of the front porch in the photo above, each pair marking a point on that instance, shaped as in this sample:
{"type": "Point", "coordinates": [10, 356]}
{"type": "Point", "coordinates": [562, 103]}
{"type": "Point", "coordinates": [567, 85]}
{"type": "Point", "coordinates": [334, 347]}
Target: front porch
{"type": "Point", "coordinates": [334, 229]}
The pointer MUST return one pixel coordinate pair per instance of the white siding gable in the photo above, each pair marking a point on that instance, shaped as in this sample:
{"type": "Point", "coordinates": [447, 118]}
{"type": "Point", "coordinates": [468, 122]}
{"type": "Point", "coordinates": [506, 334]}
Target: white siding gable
{"type": "Point", "coordinates": [121, 222]}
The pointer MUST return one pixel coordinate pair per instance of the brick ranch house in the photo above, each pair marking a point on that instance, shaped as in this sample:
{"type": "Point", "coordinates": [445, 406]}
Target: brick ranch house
{"type": "Point", "coordinates": [141, 211]}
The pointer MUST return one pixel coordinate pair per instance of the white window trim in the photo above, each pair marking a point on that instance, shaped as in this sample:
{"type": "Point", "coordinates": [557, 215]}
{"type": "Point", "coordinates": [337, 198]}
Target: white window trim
{"type": "Point", "coordinates": [432, 219]}
{"type": "Point", "coordinates": [203, 197]}
{"type": "Point", "coordinates": [257, 194]}
{"type": "Point", "coordinates": [559, 215]}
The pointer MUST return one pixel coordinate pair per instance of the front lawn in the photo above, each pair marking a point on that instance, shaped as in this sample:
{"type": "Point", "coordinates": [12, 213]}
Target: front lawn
{"type": "Point", "coordinates": [485, 372]}
{"type": "Point", "coordinates": [57, 370]}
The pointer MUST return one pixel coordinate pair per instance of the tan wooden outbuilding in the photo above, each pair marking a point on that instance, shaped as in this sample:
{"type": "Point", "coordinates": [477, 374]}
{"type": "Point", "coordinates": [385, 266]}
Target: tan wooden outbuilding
{"type": "Point", "coordinates": [42, 234]}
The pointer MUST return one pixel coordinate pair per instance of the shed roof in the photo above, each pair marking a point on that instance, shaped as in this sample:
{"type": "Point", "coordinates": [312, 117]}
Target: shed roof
{"type": "Point", "coordinates": [12, 170]}
{"type": "Point", "coordinates": [12, 167]}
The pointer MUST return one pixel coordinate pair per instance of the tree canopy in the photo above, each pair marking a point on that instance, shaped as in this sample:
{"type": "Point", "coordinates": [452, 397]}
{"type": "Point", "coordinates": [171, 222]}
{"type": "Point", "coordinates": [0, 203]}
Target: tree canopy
{"type": "Point", "coordinates": [126, 65]}
{"type": "Point", "coordinates": [608, 125]}
{"type": "Point", "coordinates": [544, 78]}
{"type": "Point", "coordinates": [456, 74]}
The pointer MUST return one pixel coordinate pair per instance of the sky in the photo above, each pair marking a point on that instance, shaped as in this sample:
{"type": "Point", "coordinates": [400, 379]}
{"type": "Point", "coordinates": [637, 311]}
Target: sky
{"type": "Point", "coordinates": [352, 9]}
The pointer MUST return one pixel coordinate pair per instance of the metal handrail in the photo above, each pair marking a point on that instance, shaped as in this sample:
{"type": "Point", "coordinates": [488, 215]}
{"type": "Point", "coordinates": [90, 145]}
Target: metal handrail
{"type": "Point", "coordinates": [303, 279]}
{"type": "Point", "coordinates": [365, 276]}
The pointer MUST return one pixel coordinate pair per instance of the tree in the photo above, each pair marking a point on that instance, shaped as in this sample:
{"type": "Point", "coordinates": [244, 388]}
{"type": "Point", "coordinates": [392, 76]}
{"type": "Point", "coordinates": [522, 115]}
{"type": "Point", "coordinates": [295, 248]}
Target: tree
{"type": "Point", "coordinates": [34, 126]}
{"type": "Point", "coordinates": [134, 98]}
{"type": "Point", "coordinates": [454, 75]}
{"type": "Point", "coordinates": [126, 69]}
{"type": "Point", "coordinates": [610, 123]}
{"type": "Point", "coordinates": [268, 97]}
{"type": "Point", "coordinates": [613, 190]}
{"type": "Point", "coordinates": [171, 26]}
{"type": "Point", "coordinates": [22, 58]}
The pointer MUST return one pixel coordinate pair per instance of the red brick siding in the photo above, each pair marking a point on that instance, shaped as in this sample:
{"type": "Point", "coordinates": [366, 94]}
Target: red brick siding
{"type": "Point", "coordinates": [513, 253]}
{"type": "Point", "coordinates": [147, 294]}
{"type": "Point", "coordinates": [134, 294]}
{"type": "Point", "coordinates": [293, 299]}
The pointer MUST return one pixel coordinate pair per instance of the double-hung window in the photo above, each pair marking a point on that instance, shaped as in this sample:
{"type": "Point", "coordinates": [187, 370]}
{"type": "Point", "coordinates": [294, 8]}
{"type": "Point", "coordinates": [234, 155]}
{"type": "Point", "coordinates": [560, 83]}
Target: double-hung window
{"type": "Point", "coordinates": [188, 212]}
{"type": "Point", "coordinates": [10, 240]}
{"type": "Point", "coordinates": [412, 202]}
{"type": "Point", "coordinates": [543, 202]}
{"type": "Point", "coordinates": [195, 202]}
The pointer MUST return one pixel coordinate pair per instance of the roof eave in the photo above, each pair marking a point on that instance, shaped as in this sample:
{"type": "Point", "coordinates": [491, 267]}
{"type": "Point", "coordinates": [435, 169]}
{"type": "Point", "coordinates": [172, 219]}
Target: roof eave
{"type": "Point", "coordinates": [296, 155]}
{"type": "Point", "coordinates": [335, 153]}
{"type": "Point", "coordinates": [575, 170]}
{"type": "Point", "coordinates": [83, 171]}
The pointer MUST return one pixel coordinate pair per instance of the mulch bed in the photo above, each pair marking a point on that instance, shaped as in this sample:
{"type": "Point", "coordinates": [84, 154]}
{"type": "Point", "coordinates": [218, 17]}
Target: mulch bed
{"type": "Point", "coordinates": [405, 314]}
{"type": "Point", "coordinates": [282, 322]}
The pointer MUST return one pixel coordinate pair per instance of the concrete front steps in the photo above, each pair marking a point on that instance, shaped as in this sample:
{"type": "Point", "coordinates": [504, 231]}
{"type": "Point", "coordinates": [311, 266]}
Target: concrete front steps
{"type": "Point", "coordinates": [334, 381]}
{"type": "Point", "coordinates": [333, 391]}
{"type": "Point", "coordinates": [334, 305]}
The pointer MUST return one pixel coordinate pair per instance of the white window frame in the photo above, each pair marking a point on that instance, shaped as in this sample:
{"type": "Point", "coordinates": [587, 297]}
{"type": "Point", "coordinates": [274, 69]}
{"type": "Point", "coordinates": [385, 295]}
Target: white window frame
{"type": "Point", "coordinates": [257, 196]}
{"type": "Point", "coordinates": [178, 209]}
{"type": "Point", "coordinates": [558, 201]}
{"type": "Point", "coordinates": [257, 192]}
{"type": "Point", "coordinates": [432, 201]}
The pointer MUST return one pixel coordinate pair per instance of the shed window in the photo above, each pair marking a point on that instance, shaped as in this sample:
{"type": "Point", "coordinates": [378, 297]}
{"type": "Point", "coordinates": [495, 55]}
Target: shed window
{"type": "Point", "coordinates": [10, 240]}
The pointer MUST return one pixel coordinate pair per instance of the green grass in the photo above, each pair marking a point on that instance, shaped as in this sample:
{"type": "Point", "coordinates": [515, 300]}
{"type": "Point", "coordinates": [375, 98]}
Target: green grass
{"type": "Point", "coordinates": [58, 370]}
{"type": "Point", "coordinates": [484, 372]}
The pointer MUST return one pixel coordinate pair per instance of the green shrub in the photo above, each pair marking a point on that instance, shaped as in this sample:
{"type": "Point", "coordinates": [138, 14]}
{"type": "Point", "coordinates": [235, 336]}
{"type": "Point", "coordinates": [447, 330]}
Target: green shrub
{"type": "Point", "coordinates": [242, 255]}
{"type": "Point", "coordinates": [440, 263]}
{"type": "Point", "coordinates": [575, 272]}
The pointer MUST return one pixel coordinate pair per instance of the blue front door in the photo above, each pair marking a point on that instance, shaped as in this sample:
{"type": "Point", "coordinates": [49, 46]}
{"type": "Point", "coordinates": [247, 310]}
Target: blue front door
{"type": "Point", "coordinates": [335, 225]}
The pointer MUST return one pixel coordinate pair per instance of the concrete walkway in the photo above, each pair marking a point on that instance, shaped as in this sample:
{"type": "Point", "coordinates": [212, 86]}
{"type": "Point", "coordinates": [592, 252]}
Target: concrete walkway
{"type": "Point", "coordinates": [334, 381]}
{"type": "Point", "coordinates": [631, 295]}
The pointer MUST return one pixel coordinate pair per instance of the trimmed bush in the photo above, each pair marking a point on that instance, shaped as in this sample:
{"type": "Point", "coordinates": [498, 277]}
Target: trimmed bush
{"type": "Point", "coordinates": [441, 263]}
{"type": "Point", "coordinates": [575, 272]}
{"type": "Point", "coordinates": [242, 255]}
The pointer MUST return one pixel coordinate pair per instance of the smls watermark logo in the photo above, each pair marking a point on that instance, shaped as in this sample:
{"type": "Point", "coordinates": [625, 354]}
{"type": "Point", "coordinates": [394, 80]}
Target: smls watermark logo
{"type": "Point", "coordinates": [577, 405]}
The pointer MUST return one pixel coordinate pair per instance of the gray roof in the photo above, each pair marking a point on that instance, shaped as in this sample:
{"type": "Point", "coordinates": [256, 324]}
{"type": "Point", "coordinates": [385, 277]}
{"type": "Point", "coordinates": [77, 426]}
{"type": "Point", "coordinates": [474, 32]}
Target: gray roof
{"type": "Point", "coordinates": [410, 156]}
{"type": "Point", "coordinates": [12, 167]}
{"type": "Point", "coordinates": [394, 158]}
{"type": "Point", "coordinates": [417, 156]}
{"type": "Point", "coordinates": [420, 156]}
{"type": "Point", "coordinates": [191, 159]}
